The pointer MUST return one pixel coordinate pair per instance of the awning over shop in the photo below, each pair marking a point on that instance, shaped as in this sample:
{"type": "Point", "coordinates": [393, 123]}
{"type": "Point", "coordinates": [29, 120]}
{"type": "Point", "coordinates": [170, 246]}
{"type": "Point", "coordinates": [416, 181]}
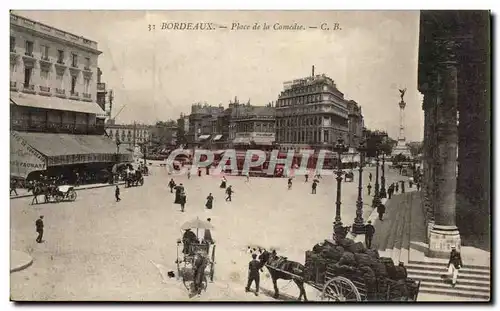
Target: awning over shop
{"type": "Point", "coordinates": [55, 103]}
{"type": "Point", "coordinates": [203, 137]}
{"type": "Point", "coordinates": [64, 149]}
{"type": "Point", "coordinates": [263, 141]}
{"type": "Point", "coordinates": [24, 159]}
{"type": "Point", "coordinates": [217, 137]}
{"type": "Point", "coordinates": [241, 140]}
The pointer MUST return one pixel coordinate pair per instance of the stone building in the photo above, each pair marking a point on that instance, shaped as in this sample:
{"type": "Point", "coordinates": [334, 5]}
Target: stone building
{"type": "Point", "coordinates": [53, 110]}
{"type": "Point", "coordinates": [311, 113]}
{"type": "Point", "coordinates": [454, 77]}
{"type": "Point", "coordinates": [202, 123]}
{"type": "Point", "coordinates": [356, 124]}
{"type": "Point", "coordinates": [130, 136]}
{"type": "Point", "coordinates": [252, 126]}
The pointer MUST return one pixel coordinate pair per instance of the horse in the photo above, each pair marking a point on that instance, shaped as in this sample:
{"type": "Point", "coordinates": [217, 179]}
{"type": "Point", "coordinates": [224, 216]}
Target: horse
{"type": "Point", "coordinates": [39, 189]}
{"type": "Point", "coordinates": [293, 271]}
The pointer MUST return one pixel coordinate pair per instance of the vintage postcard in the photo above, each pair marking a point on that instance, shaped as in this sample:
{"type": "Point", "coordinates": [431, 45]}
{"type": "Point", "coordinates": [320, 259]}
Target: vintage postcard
{"type": "Point", "coordinates": [250, 156]}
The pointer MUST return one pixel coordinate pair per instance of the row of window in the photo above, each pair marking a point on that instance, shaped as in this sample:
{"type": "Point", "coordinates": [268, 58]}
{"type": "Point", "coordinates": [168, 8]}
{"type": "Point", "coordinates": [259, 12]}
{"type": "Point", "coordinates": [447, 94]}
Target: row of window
{"type": "Point", "coordinates": [139, 133]}
{"type": "Point", "coordinates": [45, 52]}
{"type": "Point", "coordinates": [45, 77]}
{"type": "Point", "coordinates": [305, 89]}
{"type": "Point", "coordinates": [308, 136]}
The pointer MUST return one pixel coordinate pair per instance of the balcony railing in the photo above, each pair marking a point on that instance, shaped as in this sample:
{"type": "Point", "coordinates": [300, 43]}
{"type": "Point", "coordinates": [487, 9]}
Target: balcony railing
{"type": "Point", "coordinates": [86, 68]}
{"type": "Point", "coordinates": [46, 59]}
{"type": "Point", "coordinates": [13, 86]}
{"type": "Point", "coordinates": [74, 65]}
{"type": "Point", "coordinates": [61, 62]}
{"type": "Point", "coordinates": [13, 50]}
{"type": "Point", "coordinates": [56, 127]}
{"type": "Point", "coordinates": [30, 54]}
{"type": "Point", "coordinates": [74, 95]}
{"type": "Point", "coordinates": [29, 88]}
{"type": "Point", "coordinates": [44, 89]}
{"type": "Point", "coordinates": [87, 95]}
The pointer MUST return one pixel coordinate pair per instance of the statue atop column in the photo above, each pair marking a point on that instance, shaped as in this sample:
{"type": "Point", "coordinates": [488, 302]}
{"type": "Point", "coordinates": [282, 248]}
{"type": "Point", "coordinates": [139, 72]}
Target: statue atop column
{"type": "Point", "coordinates": [403, 91]}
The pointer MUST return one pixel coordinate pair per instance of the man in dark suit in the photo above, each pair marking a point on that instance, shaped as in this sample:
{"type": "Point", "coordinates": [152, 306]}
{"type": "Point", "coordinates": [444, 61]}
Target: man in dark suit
{"type": "Point", "coordinates": [253, 274]}
{"type": "Point", "coordinates": [369, 232]}
{"type": "Point", "coordinates": [454, 265]}
{"type": "Point", "coordinates": [39, 229]}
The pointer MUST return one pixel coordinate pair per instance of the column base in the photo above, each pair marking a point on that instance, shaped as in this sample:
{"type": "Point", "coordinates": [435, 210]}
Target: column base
{"type": "Point", "coordinates": [430, 225]}
{"type": "Point", "coordinates": [441, 239]}
{"type": "Point", "coordinates": [358, 228]}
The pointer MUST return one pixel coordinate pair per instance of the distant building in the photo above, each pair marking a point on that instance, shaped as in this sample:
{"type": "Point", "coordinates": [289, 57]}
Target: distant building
{"type": "Point", "coordinates": [311, 113]}
{"type": "Point", "coordinates": [202, 123]}
{"type": "Point", "coordinates": [356, 124]}
{"type": "Point", "coordinates": [130, 136]}
{"type": "Point", "coordinates": [182, 129]}
{"type": "Point", "coordinates": [55, 127]}
{"type": "Point", "coordinates": [252, 126]}
{"type": "Point", "coordinates": [164, 134]}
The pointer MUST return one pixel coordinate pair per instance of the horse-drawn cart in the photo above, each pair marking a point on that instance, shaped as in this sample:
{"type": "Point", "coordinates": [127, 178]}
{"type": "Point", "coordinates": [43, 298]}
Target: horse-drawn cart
{"type": "Point", "coordinates": [340, 282]}
{"type": "Point", "coordinates": [54, 193]}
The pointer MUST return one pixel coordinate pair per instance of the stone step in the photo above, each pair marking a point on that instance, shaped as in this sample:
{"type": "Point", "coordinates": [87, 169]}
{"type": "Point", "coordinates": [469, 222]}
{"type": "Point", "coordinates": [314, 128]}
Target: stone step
{"type": "Point", "coordinates": [464, 276]}
{"type": "Point", "coordinates": [405, 243]}
{"type": "Point", "coordinates": [432, 279]}
{"type": "Point", "coordinates": [444, 263]}
{"type": "Point", "coordinates": [447, 290]}
{"type": "Point", "coordinates": [444, 268]}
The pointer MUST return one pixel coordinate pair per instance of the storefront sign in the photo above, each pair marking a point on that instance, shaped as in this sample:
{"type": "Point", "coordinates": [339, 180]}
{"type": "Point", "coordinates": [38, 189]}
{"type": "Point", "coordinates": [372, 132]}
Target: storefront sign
{"type": "Point", "coordinates": [24, 159]}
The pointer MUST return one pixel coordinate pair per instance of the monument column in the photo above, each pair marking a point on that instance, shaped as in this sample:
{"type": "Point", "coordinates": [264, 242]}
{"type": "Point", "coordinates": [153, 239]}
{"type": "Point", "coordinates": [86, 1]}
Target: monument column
{"type": "Point", "coordinates": [444, 233]}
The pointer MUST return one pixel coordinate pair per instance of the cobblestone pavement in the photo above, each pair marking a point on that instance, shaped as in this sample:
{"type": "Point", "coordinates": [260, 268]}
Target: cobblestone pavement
{"type": "Point", "coordinates": [98, 249]}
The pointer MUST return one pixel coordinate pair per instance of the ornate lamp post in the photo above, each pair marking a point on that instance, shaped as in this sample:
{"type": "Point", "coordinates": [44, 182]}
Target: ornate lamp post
{"type": "Point", "coordinates": [358, 227]}
{"type": "Point", "coordinates": [383, 192]}
{"type": "Point", "coordinates": [339, 148]}
{"type": "Point", "coordinates": [376, 198]}
{"type": "Point", "coordinates": [118, 143]}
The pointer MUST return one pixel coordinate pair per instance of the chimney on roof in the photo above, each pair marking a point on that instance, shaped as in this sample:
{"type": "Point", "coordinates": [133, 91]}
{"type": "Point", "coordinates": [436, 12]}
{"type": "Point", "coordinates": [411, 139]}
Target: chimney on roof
{"type": "Point", "coordinates": [313, 71]}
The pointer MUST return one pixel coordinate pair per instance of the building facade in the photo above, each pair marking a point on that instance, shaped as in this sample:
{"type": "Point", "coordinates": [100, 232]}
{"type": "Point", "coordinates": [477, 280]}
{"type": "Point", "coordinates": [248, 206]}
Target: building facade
{"type": "Point", "coordinates": [130, 136]}
{"type": "Point", "coordinates": [203, 123]}
{"type": "Point", "coordinates": [356, 124]}
{"type": "Point", "coordinates": [164, 134]}
{"type": "Point", "coordinates": [454, 77]}
{"type": "Point", "coordinates": [252, 126]}
{"type": "Point", "coordinates": [311, 113]}
{"type": "Point", "coordinates": [53, 93]}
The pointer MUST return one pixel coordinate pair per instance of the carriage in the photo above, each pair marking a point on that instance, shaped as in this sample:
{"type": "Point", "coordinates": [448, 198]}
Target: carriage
{"type": "Point", "coordinates": [349, 176]}
{"type": "Point", "coordinates": [191, 256]}
{"type": "Point", "coordinates": [134, 178]}
{"type": "Point", "coordinates": [55, 193]}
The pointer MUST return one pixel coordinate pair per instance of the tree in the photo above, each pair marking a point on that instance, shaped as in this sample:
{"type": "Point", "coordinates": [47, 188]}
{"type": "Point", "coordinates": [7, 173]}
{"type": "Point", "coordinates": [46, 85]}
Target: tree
{"type": "Point", "coordinates": [378, 140]}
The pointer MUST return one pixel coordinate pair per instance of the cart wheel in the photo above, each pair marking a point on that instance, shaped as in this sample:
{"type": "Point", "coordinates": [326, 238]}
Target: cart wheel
{"type": "Point", "coordinates": [72, 195]}
{"type": "Point", "coordinates": [58, 198]}
{"type": "Point", "coordinates": [340, 289]}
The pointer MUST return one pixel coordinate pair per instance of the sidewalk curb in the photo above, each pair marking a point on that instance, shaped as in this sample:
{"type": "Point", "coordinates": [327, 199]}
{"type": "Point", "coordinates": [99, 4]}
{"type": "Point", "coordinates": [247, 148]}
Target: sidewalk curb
{"type": "Point", "coordinates": [23, 266]}
{"type": "Point", "coordinates": [77, 189]}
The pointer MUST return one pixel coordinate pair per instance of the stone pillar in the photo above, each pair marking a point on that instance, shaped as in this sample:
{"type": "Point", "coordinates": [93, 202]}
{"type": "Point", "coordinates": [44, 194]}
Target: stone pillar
{"type": "Point", "coordinates": [444, 233]}
{"type": "Point", "coordinates": [427, 186]}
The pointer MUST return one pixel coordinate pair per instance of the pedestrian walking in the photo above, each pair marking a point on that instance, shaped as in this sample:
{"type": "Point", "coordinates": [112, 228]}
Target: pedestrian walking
{"type": "Point", "coordinates": [253, 274]}
{"type": "Point", "coordinates": [381, 211]}
{"type": "Point", "coordinates": [171, 185]}
{"type": "Point", "coordinates": [117, 194]}
{"type": "Point", "coordinates": [370, 176]}
{"type": "Point", "coordinates": [207, 170]}
{"type": "Point", "coordinates": [210, 200]}
{"type": "Point", "coordinates": [314, 185]}
{"type": "Point", "coordinates": [223, 182]}
{"type": "Point", "coordinates": [454, 265]}
{"type": "Point", "coordinates": [369, 232]}
{"type": "Point", "coordinates": [207, 236]}
{"type": "Point", "coordinates": [397, 187]}
{"type": "Point", "coordinates": [289, 183]}
{"type": "Point", "coordinates": [229, 192]}
{"type": "Point", "coordinates": [418, 186]}
{"type": "Point", "coordinates": [390, 190]}
{"type": "Point", "coordinates": [199, 171]}
{"type": "Point", "coordinates": [182, 200]}
{"type": "Point", "coordinates": [369, 188]}
{"type": "Point", "coordinates": [189, 173]}
{"type": "Point", "coordinates": [247, 175]}
{"type": "Point", "coordinates": [307, 177]}
{"type": "Point", "coordinates": [39, 229]}
{"type": "Point", "coordinates": [402, 186]}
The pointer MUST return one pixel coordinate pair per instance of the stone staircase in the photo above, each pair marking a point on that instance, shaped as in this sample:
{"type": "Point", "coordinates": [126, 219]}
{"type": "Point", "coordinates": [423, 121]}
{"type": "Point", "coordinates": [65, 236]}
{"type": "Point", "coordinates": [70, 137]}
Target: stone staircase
{"type": "Point", "coordinates": [401, 224]}
{"type": "Point", "coordinates": [473, 281]}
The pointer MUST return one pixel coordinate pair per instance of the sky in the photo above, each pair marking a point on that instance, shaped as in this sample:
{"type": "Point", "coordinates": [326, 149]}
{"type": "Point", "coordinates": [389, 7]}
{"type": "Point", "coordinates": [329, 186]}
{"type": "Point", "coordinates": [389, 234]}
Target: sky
{"type": "Point", "coordinates": [157, 75]}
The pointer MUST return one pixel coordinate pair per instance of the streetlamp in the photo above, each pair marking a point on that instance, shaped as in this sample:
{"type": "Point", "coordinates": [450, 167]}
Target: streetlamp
{"type": "Point", "coordinates": [118, 143]}
{"type": "Point", "coordinates": [358, 227]}
{"type": "Point", "coordinates": [339, 148]}
{"type": "Point", "coordinates": [376, 198]}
